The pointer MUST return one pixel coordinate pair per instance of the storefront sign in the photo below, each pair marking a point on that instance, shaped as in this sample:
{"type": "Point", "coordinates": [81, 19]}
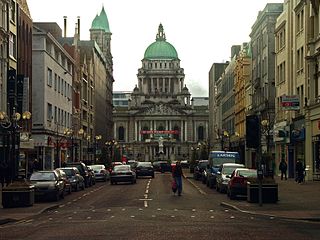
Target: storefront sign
{"type": "Point", "coordinates": [290, 102]}
{"type": "Point", "coordinates": [143, 132]}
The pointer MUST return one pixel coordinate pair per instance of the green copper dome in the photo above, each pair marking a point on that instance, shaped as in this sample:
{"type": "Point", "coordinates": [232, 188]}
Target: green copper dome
{"type": "Point", "coordinates": [160, 49]}
{"type": "Point", "coordinates": [101, 22]}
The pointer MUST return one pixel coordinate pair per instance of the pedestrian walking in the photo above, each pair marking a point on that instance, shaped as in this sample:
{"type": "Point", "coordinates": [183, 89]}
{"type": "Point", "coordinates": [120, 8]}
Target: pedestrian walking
{"type": "Point", "coordinates": [177, 175]}
{"type": "Point", "coordinates": [283, 169]}
{"type": "Point", "coordinates": [299, 171]}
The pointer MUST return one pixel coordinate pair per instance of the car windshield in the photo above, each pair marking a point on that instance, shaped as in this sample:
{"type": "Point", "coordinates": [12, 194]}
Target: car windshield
{"type": "Point", "coordinates": [97, 167]}
{"type": "Point", "coordinates": [247, 173]}
{"type": "Point", "coordinates": [42, 176]}
{"type": "Point", "coordinates": [228, 170]}
{"type": "Point", "coordinates": [144, 164]}
{"type": "Point", "coordinates": [121, 168]}
{"type": "Point", "coordinates": [68, 171]}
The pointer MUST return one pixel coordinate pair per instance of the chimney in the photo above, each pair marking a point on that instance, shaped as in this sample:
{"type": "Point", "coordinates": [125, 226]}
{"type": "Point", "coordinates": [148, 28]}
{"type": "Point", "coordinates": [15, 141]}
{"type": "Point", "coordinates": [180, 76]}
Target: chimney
{"type": "Point", "coordinates": [65, 26]}
{"type": "Point", "coordinates": [79, 27]}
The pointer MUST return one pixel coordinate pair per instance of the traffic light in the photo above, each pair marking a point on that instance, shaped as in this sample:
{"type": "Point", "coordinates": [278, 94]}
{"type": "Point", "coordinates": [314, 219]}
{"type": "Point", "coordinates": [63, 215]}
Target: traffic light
{"type": "Point", "coordinates": [252, 131]}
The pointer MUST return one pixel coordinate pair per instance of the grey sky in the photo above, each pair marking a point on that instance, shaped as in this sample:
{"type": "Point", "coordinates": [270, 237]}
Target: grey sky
{"type": "Point", "coordinates": [202, 31]}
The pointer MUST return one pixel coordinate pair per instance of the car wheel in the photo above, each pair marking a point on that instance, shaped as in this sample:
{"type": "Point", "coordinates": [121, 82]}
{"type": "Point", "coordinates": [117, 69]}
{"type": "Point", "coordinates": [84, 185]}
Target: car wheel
{"type": "Point", "coordinates": [232, 196]}
{"type": "Point", "coordinates": [105, 178]}
{"type": "Point", "coordinates": [62, 194]}
{"type": "Point", "coordinates": [70, 189]}
{"type": "Point", "coordinates": [152, 176]}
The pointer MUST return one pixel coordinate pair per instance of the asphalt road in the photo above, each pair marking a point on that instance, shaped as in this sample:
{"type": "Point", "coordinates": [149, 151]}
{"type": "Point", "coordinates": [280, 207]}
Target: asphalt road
{"type": "Point", "coordinates": [149, 210]}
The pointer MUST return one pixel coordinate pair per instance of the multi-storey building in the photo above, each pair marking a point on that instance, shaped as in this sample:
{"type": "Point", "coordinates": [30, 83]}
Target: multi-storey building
{"type": "Point", "coordinates": [4, 25]}
{"type": "Point", "coordinates": [121, 98]}
{"type": "Point", "coordinates": [242, 74]}
{"type": "Point", "coordinates": [214, 74]}
{"type": "Point", "coordinates": [52, 95]}
{"type": "Point", "coordinates": [263, 77]}
{"type": "Point", "coordinates": [227, 132]}
{"type": "Point", "coordinates": [160, 121]}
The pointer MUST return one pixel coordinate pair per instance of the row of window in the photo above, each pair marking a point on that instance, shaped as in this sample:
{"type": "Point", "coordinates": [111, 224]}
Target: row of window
{"type": "Point", "coordinates": [58, 116]}
{"type": "Point", "coordinates": [59, 84]}
{"type": "Point", "coordinates": [58, 56]}
{"type": "Point", "coordinates": [160, 64]}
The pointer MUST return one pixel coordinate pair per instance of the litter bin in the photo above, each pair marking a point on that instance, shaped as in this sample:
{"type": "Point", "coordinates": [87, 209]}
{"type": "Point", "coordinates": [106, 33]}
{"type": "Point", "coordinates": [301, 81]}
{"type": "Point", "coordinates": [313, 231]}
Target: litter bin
{"type": "Point", "coordinates": [18, 194]}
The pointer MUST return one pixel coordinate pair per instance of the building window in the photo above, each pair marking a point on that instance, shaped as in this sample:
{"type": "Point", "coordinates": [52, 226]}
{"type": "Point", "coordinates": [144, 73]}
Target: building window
{"type": "Point", "coordinates": [49, 111]}
{"type": "Point", "coordinates": [121, 133]}
{"type": "Point", "coordinates": [55, 81]}
{"type": "Point", "coordinates": [177, 134]}
{"type": "Point", "coordinates": [49, 77]}
{"type": "Point", "coordinates": [12, 45]}
{"type": "Point", "coordinates": [200, 133]}
{"type": "Point", "coordinates": [13, 11]}
{"type": "Point", "coordinates": [145, 136]}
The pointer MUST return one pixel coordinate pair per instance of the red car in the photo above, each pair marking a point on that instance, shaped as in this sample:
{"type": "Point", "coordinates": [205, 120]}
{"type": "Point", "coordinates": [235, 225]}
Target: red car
{"type": "Point", "coordinates": [237, 186]}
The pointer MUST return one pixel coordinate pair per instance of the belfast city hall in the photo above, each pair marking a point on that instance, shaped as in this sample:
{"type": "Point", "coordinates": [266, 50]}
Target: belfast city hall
{"type": "Point", "coordinates": [161, 119]}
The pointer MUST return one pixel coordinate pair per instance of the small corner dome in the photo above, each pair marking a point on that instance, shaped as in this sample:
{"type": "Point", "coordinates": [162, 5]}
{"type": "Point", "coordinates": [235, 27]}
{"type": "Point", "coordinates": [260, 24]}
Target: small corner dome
{"type": "Point", "coordinates": [185, 89]}
{"type": "Point", "coordinates": [136, 89]}
{"type": "Point", "coordinates": [160, 49]}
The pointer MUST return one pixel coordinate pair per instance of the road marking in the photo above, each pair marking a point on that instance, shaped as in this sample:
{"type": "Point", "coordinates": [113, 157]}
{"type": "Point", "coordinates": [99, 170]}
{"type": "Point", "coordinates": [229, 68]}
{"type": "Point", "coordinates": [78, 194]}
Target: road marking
{"type": "Point", "coordinates": [62, 205]}
{"type": "Point", "coordinates": [145, 203]}
{"type": "Point", "coordinates": [74, 212]}
{"type": "Point", "coordinates": [153, 216]}
{"type": "Point", "coordinates": [210, 210]}
{"type": "Point", "coordinates": [232, 217]}
{"type": "Point", "coordinates": [172, 216]}
{"type": "Point", "coordinates": [159, 209]}
{"type": "Point", "coordinates": [132, 216]}
{"type": "Point", "coordinates": [50, 219]}
{"type": "Point", "coordinates": [140, 209]}
{"type": "Point", "coordinates": [193, 210]}
{"type": "Point", "coordinates": [108, 210]}
{"type": "Point", "coordinates": [175, 210]}
{"type": "Point", "coordinates": [212, 217]}
{"type": "Point", "coordinates": [69, 218]}
{"type": "Point", "coordinates": [145, 199]}
{"type": "Point", "coordinates": [123, 209]}
{"type": "Point", "coordinates": [198, 188]}
{"type": "Point", "coordinates": [88, 217]}
{"type": "Point", "coordinates": [147, 191]}
{"type": "Point", "coordinates": [192, 216]}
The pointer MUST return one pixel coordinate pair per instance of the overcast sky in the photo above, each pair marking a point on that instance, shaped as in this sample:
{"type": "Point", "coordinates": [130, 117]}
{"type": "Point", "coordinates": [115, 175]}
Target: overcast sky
{"type": "Point", "coordinates": [202, 31]}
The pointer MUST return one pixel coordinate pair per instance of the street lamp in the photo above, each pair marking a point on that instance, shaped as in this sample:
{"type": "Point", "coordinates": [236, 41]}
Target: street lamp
{"type": "Point", "coordinates": [10, 132]}
{"type": "Point", "coordinates": [69, 133]}
{"type": "Point", "coordinates": [88, 140]}
{"type": "Point", "coordinates": [81, 133]}
{"type": "Point", "coordinates": [96, 139]}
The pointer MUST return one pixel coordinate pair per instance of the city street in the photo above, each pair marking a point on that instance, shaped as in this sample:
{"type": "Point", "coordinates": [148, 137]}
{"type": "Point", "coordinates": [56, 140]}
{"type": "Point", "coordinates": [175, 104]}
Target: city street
{"type": "Point", "coordinates": [149, 210]}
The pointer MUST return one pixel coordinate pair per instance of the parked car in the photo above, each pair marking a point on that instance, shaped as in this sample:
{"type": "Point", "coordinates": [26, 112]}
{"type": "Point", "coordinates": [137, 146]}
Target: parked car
{"type": "Point", "coordinates": [92, 175]}
{"type": "Point", "coordinates": [224, 175]}
{"type": "Point", "coordinates": [199, 168]}
{"type": "Point", "coordinates": [75, 178]}
{"type": "Point", "coordinates": [83, 171]}
{"type": "Point", "coordinates": [122, 173]}
{"type": "Point", "coordinates": [100, 172]}
{"type": "Point", "coordinates": [67, 183]}
{"type": "Point", "coordinates": [48, 184]}
{"type": "Point", "coordinates": [185, 164]}
{"type": "Point", "coordinates": [237, 185]}
{"type": "Point", "coordinates": [144, 169]}
{"type": "Point", "coordinates": [132, 163]}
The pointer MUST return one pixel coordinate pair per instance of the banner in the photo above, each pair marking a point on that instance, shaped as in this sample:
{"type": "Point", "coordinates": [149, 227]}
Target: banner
{"type": "Point", "coordinates": [142, 132]}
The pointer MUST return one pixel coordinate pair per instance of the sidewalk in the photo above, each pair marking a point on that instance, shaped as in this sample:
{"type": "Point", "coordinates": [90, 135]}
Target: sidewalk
{"type": "Point", "coordinates": [16, 214]}
{"type": "Point", "coordinates": [296, 201]}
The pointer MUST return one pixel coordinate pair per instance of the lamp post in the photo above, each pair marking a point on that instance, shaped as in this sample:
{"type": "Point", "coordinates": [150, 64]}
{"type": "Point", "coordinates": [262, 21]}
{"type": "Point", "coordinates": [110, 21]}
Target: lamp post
{"type": "Point", "coordinates": [88, 140]}
{"type": "Point", "coordinates": [96, 139]}
{"type": "Point", "coordinates": [81, 133]}
{"type": "Point", "coordinates": [10, 132]}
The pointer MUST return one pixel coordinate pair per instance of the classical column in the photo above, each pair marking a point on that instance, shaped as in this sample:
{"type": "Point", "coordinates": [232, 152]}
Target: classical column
{"type": "Point", "coordinates": [186, 131]}
{"type": "Point", "coordinates": [115, 130]}
{"type": "Point", "coordinates": [181, 130]}
{"type": "Point", "coordinates": [151, 81]}
{"type": "Point", "coordinates": [169, 87]}
{"type": "Point", "coordinates": [135, 130]}
{"type": "Point", "coordinates": [206, 131]}
{"type": "Point", "coordinates": [163, 84]}
{"type": "Point", "coordinates": [167, 125]}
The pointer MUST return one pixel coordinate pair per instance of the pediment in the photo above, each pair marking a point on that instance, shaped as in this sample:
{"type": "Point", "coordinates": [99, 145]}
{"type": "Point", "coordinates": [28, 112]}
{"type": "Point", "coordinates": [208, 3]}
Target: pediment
{"type": "Point", "coordinates": [161, 109]}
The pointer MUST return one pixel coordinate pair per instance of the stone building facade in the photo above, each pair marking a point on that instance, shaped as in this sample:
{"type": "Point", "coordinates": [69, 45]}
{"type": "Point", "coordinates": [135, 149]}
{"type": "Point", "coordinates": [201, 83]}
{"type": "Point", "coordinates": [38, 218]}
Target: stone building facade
{"type": "Point", "coordinates": [161, 121]}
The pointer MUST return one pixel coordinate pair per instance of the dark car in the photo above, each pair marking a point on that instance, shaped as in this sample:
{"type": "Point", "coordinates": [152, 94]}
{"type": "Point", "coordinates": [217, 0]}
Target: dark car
{"type": "Point", "coordinates": [67, 183]}
{"type": "Point", "coordinates": [237, 186]}
{"type": "Point", "coordinates": [161, 166]}
{"type": "Point", "coordinates": [100, 172]}
{"type": "Point", "coordinates": [76, 180]}
{"type": "Point", "coordinates": [122, 173]}
{"type": "Point", "coordinates": [83, 172]}
{"type": "Point", "coordinates": [144, 169]}
{"type": "Point", "coordinates": [199, 168]}
{"type": "Point", "coordinates": [48, 184]}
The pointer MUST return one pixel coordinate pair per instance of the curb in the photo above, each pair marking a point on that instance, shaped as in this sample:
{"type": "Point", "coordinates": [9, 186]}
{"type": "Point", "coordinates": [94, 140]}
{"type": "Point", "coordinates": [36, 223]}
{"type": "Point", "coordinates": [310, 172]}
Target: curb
{"type": "Point", "coordinates": [10, 220]}
{"type": "Point", "coordinates": [232, 207]}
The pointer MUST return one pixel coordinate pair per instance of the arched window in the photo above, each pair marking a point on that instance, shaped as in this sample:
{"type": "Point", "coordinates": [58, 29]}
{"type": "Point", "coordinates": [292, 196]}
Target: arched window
{"type": "Point", "coordinates": [177, 135]}
{"type": "Point", "coordinates": [200, 133]}
{"type": "Point", "coordinates": [121, 133]}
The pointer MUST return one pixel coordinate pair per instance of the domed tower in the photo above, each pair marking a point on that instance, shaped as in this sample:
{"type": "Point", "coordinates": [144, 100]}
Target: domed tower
{"type": "Point", "coordinates": [161, 79]}
{"type": "Point", "coordinates": [100, 32]}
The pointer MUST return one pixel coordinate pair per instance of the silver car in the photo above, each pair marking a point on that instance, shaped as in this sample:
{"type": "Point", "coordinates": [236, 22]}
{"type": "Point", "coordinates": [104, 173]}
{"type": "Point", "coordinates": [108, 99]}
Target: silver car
{"type": "Point", "coordinates": [100, 172]}
{"type": "Point", "coordinates": [48, 184]}
{"type": "Point", "coordinates": [224, 175]}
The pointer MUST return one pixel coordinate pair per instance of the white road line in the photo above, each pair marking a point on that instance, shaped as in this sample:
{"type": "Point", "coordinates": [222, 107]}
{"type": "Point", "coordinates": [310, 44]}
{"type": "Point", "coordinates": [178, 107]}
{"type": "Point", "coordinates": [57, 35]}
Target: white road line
{"type": "Point", "coordinates": [145, 204]}
{"type": "Point", "coordinates": [147, 191]}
